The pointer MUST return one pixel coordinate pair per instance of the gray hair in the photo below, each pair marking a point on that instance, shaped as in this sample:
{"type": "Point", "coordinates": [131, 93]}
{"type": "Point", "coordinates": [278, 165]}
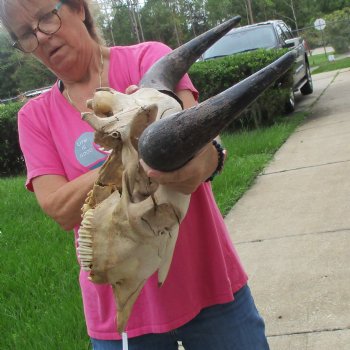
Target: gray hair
{"type": "Point", "coordinates": [89, 22]}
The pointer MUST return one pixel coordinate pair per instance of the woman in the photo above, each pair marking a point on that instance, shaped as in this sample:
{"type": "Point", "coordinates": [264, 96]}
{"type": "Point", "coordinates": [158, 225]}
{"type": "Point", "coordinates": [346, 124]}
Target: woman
{"type": "Point", "coordinates": [205, 301]}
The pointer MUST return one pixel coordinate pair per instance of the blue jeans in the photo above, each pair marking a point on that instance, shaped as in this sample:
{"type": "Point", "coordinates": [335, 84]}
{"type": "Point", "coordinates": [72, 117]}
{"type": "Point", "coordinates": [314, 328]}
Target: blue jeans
{"type": "Point", "coordinates": [233, 326]}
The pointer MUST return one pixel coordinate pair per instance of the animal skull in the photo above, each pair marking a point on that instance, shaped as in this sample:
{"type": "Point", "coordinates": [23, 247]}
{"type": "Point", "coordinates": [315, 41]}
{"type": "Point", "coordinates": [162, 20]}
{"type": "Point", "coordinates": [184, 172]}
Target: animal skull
{"type": "Point", "coordinates": [130, 224]}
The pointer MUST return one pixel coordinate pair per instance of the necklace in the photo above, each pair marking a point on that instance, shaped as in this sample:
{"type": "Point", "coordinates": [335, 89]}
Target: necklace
{"type": "Point", "coordinates": [99, 76]}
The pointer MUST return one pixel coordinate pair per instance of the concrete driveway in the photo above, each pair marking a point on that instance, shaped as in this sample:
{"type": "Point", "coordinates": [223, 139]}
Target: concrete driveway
{"type": "Point", "coordinates": [292, 228]}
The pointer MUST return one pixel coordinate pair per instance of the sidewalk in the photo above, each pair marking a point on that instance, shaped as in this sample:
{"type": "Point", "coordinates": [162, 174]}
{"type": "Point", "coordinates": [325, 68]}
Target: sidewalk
{"type": "Point", "coordinates": [292, 228]}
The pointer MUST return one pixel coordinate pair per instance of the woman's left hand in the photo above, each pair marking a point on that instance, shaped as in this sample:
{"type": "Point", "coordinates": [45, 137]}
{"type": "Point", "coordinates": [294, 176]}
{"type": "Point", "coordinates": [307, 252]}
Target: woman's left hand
{"type": "Point", "coordinates": [187, 179]}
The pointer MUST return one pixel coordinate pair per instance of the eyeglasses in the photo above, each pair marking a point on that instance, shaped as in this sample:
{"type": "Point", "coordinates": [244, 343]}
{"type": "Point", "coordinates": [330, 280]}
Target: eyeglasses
{"type": "Point", "coordinates": [48, 24]}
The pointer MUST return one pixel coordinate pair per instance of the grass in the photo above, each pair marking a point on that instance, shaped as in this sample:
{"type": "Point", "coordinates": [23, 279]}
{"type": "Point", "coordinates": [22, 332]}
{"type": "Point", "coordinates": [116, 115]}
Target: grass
{"type": "Point", "coordinates": [321, 64]}
{"type": "Point", "coordinates": [40, 300]}
{"type": "Point", "coordinates": [317, 60]}
{"type": "Point", "coordinates": [248, 153]}
{"type": "Point", "coordinates": [330, 66]}
{"type": "Point", "coordinates": [41, 306]}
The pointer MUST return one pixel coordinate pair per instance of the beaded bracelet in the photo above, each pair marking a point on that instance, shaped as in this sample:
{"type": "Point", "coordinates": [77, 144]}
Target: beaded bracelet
{"type": "Point", "coordinates": [221, 158]}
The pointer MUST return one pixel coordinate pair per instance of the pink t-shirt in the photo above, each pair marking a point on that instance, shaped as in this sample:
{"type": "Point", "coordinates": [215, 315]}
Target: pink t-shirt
{"type": "Point", "coordinates": [205, 269]}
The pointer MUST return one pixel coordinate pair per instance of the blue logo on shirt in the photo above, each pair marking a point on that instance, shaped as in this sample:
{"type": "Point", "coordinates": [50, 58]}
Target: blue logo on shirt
{"type": "Point", "coordinates": [88, 153]}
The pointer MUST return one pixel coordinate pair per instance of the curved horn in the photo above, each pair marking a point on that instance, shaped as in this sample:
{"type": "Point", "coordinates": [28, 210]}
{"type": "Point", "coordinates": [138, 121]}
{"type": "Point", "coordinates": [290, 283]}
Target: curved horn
{"type": "Point", "coordinates": [171, 142]}
{"type": "Point", "coordinates": [167, 72]}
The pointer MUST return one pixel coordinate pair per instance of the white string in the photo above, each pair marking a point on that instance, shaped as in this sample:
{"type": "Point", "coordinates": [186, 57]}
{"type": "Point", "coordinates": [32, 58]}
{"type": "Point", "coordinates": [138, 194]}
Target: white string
{"type": "Point", "coordinates": [125, 341]}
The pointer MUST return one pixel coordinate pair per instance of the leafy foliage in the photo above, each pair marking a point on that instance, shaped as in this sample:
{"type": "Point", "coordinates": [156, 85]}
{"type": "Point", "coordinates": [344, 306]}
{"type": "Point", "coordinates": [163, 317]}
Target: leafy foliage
{"type": "Point", "coordinates": [174, 22]}
{"type": "Point", "coordinates": [338, 30]}
{"type": "Point", "coordinates": [213, 76]}
{"type": "Point", "coordinates": [20, 72]}
{"type": "Point", "coordinates": [11, 160]}
{"type": "Point", "coordinates": [9, 61]}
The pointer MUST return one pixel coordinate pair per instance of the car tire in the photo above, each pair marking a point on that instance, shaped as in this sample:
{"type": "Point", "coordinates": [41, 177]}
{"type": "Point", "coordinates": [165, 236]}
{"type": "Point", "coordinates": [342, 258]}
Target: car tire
{"type": "Point", "coordinates": [290, 103]}
{"type": "Point", "coordinates": [308, 87]}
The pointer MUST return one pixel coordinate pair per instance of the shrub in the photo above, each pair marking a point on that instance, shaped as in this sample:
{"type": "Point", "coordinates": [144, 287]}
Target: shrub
{"type": "Point", "coordinates": [11, 160]}
{"type": "Point", "coordinates": [210, 77]}
{"type": "Point", "coordinates": [213, 76]}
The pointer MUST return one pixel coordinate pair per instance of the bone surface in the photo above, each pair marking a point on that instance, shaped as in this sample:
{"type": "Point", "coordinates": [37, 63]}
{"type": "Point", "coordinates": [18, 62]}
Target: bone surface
{"type": "Point", "coordinates": [130, 224]}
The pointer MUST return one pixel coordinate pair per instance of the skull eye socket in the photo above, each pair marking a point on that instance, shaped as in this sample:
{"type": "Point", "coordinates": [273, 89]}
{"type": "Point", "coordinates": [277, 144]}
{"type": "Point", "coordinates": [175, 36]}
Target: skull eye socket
{"type": "Point", "coordinates": [115, 134]}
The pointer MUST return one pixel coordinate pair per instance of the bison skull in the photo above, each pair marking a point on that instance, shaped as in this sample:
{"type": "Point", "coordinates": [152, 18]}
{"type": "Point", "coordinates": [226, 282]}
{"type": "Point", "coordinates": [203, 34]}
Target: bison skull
{"type": "Point", "coordinates": [130, 224]}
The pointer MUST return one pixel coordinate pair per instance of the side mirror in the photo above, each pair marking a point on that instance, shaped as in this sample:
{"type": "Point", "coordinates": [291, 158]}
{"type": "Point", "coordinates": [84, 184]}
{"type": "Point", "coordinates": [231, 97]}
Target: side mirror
{"type": "Point", "coordinates": [289, 44]}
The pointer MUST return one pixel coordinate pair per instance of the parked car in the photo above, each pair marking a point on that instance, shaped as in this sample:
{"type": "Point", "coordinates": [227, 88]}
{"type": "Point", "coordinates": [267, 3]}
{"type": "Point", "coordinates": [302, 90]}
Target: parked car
{"type": "Point", "coordinates": [267, 35]}
{"type": "Point", "coordinates": [26, 95]}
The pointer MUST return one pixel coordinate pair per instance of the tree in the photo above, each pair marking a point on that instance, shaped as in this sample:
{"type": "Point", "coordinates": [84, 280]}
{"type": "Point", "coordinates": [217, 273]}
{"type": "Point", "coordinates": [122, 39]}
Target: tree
{"type": "Point", "coordinates": [250, 11]}
{"type": "Point", "coordinates": [133, 6]}
{"type": "Point", "coordinates": [9, 60]}
{"type": "Point", "coordinates": [20, 72]}
{"type": "Point", "coordinates": [329, 6]}
{"type": "Point", "coordinates": [218, 12]}
{"type": "Point", "coordinates": [104, 18]}
{"type": "Point", "coordinates": [32, 74]}
{"type": "Point", "coordinates": [338, 30]}
{"type": "Point", "coordinates": [160, 22]}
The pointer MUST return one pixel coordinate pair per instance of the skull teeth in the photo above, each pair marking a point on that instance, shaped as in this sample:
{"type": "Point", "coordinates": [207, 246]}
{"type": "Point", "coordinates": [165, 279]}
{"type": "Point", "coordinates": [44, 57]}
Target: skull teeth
{"type": "Point", "coordinates": [84, 249]}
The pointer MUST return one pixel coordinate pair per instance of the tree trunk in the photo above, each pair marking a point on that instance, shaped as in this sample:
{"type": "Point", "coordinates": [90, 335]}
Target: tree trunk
{"type": "Point", "coordinates": [250, 11]}
{"type": "Point", "coordinates": [133, 20]}
{"type": "Point", "coordinates": [294, 16]}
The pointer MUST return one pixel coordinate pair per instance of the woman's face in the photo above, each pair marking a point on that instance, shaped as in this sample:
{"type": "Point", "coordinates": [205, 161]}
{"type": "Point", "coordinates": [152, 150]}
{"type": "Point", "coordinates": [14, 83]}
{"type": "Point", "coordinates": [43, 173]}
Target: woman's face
{"type": "Point", "coordinates": [64, 52]}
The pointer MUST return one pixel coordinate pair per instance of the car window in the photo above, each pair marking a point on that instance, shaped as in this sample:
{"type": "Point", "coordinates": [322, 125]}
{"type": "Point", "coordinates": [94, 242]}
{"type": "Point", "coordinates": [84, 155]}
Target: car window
{"type": "Point", "coordinates": [287, 33]}
{"type": "Point", "coordinates": [281, 34]}
{"type": "Point", "coordinates": [245, 40]}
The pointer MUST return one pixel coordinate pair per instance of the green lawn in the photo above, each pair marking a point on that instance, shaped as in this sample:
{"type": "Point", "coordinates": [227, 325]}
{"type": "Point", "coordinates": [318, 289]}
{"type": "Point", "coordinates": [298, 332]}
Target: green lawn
{"type": "Point", "coordinates": [321, 64]}
{"type": "Point", "coordinates": [316, 60]}
{"type": "Point", "coordinates": [330, 66]}
{"type": "Point", "coordinates": [248, 154]}
{"type": "Point", "coordinates": [39, 294]}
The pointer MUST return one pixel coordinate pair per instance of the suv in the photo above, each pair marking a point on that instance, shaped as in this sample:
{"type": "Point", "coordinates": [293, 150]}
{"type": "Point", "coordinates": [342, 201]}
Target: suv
{"type": "Point", "coordinates": [267, 35]}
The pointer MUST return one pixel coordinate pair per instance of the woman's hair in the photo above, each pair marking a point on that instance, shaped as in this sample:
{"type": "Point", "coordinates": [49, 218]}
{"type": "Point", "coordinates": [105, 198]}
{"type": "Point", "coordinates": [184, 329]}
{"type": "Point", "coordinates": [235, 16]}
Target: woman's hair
{"type": "Point", "coordinates": [73, 4]}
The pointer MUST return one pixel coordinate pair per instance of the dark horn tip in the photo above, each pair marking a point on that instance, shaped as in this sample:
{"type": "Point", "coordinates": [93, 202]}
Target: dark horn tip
{"type": "Point", "coordinates": [171, 142]}
{"type": "Point", "coordinates": [167, 71]}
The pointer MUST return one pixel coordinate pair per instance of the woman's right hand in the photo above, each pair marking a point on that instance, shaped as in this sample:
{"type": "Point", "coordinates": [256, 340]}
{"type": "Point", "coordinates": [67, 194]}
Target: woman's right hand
{"type": "Point", "coordinates": [131, 89]}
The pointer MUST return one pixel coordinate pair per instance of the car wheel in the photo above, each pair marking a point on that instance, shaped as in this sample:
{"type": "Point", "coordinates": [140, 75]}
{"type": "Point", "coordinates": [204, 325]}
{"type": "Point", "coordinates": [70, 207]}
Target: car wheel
{"type": "Point", "coordinates": [290, 103]}
{"type": "Point", "coordinates": [308, 87]}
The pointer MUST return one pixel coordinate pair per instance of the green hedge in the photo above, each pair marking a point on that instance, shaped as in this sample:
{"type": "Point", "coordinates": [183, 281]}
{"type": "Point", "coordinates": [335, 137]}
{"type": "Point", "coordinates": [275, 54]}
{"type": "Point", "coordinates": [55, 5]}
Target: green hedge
{"type": "Point", "coordinates": [213, 76]}
{"type": "Point", "coordinates": [210, 78]}
{"type": "Point", "coordinates": [11, 160]}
